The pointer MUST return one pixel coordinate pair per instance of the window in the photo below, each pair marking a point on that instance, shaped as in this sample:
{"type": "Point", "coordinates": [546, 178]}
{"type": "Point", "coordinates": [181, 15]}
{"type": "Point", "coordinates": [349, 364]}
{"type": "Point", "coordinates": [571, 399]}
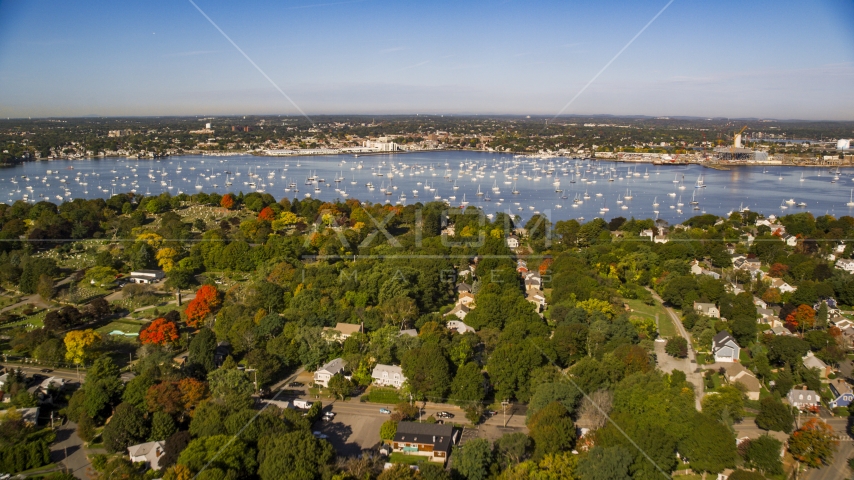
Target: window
{"type": "Point", "coordinates": [801, 397]}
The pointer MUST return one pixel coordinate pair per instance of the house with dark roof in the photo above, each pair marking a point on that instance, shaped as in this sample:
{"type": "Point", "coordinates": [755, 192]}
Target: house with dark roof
{"type": "Point", "coordinates": [463, 287]}
{"type": "Point", "coordinates": [430, 440]}
{"type": "Point", "coordinates": [724, 348]}
{"type": "Point", "coordinates": [803, 398]}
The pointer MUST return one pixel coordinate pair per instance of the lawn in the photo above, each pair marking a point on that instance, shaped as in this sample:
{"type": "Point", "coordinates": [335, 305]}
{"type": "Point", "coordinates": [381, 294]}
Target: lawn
{"type": "Point", "coordinates": [126, 326]}
{"type": "Point", "coordinates": [382, 395]}
{"type": "Point", "coordinates": [397, 457]}
{"type": "Point", "coordinates": [665, 325]}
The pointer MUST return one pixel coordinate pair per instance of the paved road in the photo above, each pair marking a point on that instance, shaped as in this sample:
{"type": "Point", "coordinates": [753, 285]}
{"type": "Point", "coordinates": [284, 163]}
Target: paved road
{"type": "Point", "coordinates": [68, 451]}
{"type": "Point", "coordinates": [65, 373]}
{"type": "Point", "coordinates": [838, 468]}
{"type": "Point", "coordinates": [688, 365]}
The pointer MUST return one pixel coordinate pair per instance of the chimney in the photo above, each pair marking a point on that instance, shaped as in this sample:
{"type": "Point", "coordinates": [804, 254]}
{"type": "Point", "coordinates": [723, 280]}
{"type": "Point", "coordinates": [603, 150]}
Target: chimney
{"type": "Point", "coordinates": [434, 438]}
{"type": "Point", "coordinates": [804, 387]}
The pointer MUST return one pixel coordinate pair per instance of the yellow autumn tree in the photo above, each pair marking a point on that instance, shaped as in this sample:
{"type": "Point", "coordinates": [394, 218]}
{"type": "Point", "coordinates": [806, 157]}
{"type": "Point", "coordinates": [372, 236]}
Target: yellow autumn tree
{"type": "Point", "coordinates": [178, 472]}
{"type": "Point", "coordinates": [596, 305]}
{"type": "Point", "coordinates": [152, 239]}
{"type": "Point", "coordinates": [79, 343]}
{"type": "Point", "coordinates": [285, 220]}
{"type": "Point", "coordinates": [166, 258]}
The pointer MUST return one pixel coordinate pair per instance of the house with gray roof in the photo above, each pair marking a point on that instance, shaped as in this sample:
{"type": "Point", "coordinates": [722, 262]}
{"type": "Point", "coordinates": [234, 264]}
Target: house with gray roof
{"type": "Point", "coordinates": [803, 398]}
{"type": "Point", "coordinates": [388, 375]}
{"type": "Point", "coordinates": [326, 372]}
{"type": "Point", "coordinates": [724, 348]}
{"type": "Point", "coordinates": [149, 453]}
{"type": "Point", "coordinates": [707, 309]}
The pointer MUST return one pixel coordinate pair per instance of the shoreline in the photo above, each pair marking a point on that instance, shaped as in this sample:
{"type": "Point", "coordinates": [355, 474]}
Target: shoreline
{"type": "Point", "coordinates": [845, 163]}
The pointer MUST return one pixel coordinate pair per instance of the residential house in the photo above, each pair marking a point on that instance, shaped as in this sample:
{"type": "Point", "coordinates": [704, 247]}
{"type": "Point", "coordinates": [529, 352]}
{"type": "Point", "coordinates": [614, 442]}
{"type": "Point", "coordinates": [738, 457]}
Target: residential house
{"type": "Point", "coordinates": [724, 348]}
{"type": "Point", "coordinates": [30, 416]}
{"type": "Point", "coordinates": [537, 299]}
{"type": "Point", "coordinates": [324, 373]}
{"type": "Point", "coordinates": [784, 287]}
{"type": "Point", "coordinates": [430, 440]}
{"type": "Point", "coordinates": [842, 393]}
{"type": "Point", "coordinates": [409, 331]}
{"type": "Point", "coordinates": [734, 288]}
{"type": "Point", "coordinates": [811, 361]}
{"type": "Point", "coordinates": [790, 240]}
{"type": "Point", "coordinates": [766, 315]}
{"type": "Point", "coordinates": [648, 233]}
{"type": "Point", "coordinates": [466, 298]}
{"type": "Point", "coordinates": [660, 239]}
{"type": "Point", "coordinates": [512, 241]}
{"type": "Point", "coordinates": [780, 330]}
{"type": "Point", "coordinates": [4, 379]}
{"type": "Point", "coordinates": [460, 311]}
{"type": "Point", "coordinates": [459, 326]}
{"type": "Point", "coordinates": [146, 276]}
{"type": "Point", "coordinates": [696, 269]}
{"type": "Point", "coordinates": [736, 373]}
{"type": "Point", "coordinates": [463, 288]}
{"type": "Point", "coordinates": [388, 375]}
{"type": "Point", "coordinates": [803, 398]}
{"type": "Point", "coordinates": [341, 331]}
{"type": "Point", "coordinates": [521, 266]}
{"type": "Point", "coordinates": [707, 309]}
{"type": "Point", "coordinates": [149, 453]}
{"type": "Point", "coordinates": [759, 302]}
{"type": "Point", "coordinates": [533, 281]}
{"type": "Point", "coordinates": [845, 264]}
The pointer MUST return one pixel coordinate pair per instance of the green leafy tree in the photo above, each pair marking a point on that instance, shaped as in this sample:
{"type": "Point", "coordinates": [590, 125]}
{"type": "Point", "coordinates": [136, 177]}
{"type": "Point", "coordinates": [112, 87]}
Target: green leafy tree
{"type": "Point", "coordinates": [562, 392]}
{"type": "Point", "coordinates": [467, 387]}
{"type": "Point", "coordinates": [775, 415]}
{"type": "Point", "coordinates": [512, 448]}
{"type": "Point", "coordinates": [727, 400]}
{"type": "Point", "coordinates": [677, 347]}
{"type": "Point", "coordinates": [427, 372]}
{"type": "Point", "coordinates": [472, 460]}
{"type": "Point", "coordinates": [127, 427]}
{"type": "Point", "coordinates": [710, 445]}
{"type": "Point", "coordinates": [162, 426]}
{"type": "Point", "coordinates": [293, 456]}
{"type": "Point", "coordinates": [552, 430]}
{"type": "Point", "coordinates": [388, 430]}
{"type": "Point", "coordinates": [763, 454]}
{"type": "Point", "coordinates": [230, 456]}
{"type": "Point", "coordinates": [340, 387]}
{"type": "Point", "coordinates": [202, 348]}
{"type": "Point", "coordinates": [606, 463]}
{"type": "Point", "coordinates": [510, 367]}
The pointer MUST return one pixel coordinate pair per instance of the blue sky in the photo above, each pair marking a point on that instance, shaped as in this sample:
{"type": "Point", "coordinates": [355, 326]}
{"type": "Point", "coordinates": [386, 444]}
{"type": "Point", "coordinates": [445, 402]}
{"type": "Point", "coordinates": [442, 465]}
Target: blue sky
{"type": "Point", "coordinates": [776, 59]}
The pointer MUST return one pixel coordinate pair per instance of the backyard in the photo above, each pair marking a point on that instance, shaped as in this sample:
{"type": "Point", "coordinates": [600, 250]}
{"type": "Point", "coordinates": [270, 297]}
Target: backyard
{"type": "Point", "coordinates": [666, 328]}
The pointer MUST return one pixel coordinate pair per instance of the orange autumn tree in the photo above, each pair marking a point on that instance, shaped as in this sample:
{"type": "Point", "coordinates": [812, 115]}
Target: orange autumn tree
{"type": "Point", "coordinates": [159, 332]}
{"type": "Point", "coordinates": [227, 201]}
{"type": "Point", "coordinates": [192, 392]}
{"type": "Point", "coordinates": [207, 301]}
{"type": "Point", "coordinates": [802, 318]}
{"type": "Point", "coordinates": [267, 214]}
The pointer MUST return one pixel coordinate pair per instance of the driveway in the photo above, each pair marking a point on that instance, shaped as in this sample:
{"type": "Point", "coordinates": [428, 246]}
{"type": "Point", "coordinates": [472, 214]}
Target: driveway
{"type": "Point", "coordinates": [688, 365]}
{"type": "Point", "coordinates": [67, 451]}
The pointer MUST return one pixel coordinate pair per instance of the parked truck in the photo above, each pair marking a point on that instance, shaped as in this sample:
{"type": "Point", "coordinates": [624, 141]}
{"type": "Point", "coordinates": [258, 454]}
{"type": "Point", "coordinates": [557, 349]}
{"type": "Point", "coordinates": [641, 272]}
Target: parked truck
{"type": "Point", "coordinates": [302, 404]}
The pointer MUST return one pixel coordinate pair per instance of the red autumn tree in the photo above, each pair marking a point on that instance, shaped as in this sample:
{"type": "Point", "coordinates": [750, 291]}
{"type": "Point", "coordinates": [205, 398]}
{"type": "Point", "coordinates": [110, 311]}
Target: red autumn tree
{"type": "Point", "coordinates": [778, 270]}
{"type": "Point", "coordinates": [267, 214]}
{"type": "Point", "coordinates": [206, 302]}
{"type": "Point", "coordinates": [802, 318]}
{"type": "Point", "coordinates": [160, 332]}
{"type": "Point", "coordinates": [164, 397]}
{"type": "Point", "coordinates": [227, 201]}
{"type": "Point", "coordinates": [544, 266]}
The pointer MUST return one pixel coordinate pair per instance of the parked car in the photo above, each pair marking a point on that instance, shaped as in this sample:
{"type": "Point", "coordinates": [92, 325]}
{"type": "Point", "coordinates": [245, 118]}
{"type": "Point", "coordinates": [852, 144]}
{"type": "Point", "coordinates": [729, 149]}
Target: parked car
{"type": "Point", "coordinates": [385, 411]}
{"type": "Point", "coordinates": [46, 370]}
{"type": "Point", "coordinates": [320, 435]}
{"type": "Point", "coordinates": [444, 414]}
{"type": "Point", "coordinates": [490, 413]}
{"type": "Point", "coordinates": [328, 416]}
{"type": "Point", "coordinates": [296, 384]}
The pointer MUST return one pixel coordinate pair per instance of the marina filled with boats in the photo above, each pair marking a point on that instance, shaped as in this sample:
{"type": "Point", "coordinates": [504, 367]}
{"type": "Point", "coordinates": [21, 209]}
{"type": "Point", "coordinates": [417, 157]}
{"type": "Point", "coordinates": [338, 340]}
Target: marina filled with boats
{"type": "Point", "coordinates": [559, 187]}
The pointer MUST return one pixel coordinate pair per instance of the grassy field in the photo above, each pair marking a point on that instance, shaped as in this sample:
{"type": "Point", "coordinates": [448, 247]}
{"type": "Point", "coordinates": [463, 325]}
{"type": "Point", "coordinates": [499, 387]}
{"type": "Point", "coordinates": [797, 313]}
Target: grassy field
{"type": "Point", "coordinates": [382, 395]}
{"type": "Point", "coordinates": [397, 457]}
{"type": "Point", "coordinates": [127, 326]}
{"type": "Point", "coordinates": [666, 328]}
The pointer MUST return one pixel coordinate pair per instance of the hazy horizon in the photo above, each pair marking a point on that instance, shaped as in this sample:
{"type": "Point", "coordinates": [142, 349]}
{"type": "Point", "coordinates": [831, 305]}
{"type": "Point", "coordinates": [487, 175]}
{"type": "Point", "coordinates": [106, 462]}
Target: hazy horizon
{"type": "Point", "coordinates": [770, 60]}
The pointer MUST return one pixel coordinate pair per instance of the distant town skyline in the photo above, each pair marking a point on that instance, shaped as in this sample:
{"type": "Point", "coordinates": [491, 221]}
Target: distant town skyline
{"type": "Point", "coordinates": [783, 60]}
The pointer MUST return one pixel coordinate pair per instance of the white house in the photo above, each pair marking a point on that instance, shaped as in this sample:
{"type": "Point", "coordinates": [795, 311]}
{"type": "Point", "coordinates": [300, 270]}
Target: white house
{"type": "Point", "coordinates": [324, 373]}
{"type": "Point", "coordinates": [811, 361]}
{"type": "Point", "coordinates": [784, 287]}
{"type": "Point", "coordinates": [803, 398]}
{"type": "Point", "coordinates": [149, 453]}
{"type": "Point", "coordinates": [845, 264]}
{"type": "Point", "coordinates": [512, 241]}
{"type": "Point", "coordinates": [459, 326]}
{"type": "Point", "coordinates": [460, 311]}
{"type": "Point", "coordinates": [146, 276]}
{"type": "Point", "coordinates": [707, 309]}
{"type": "Point", "coordinates": [388, 375]}
{"type": "Point", "coordinates": [724, 348]}
{"type": "Point", "coordinates": [759, 302]}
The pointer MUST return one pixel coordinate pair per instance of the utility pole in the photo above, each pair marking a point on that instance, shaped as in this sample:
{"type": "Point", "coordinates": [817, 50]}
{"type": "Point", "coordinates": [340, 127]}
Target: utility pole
{"type": "Point", "coordinates": [504, 409]}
